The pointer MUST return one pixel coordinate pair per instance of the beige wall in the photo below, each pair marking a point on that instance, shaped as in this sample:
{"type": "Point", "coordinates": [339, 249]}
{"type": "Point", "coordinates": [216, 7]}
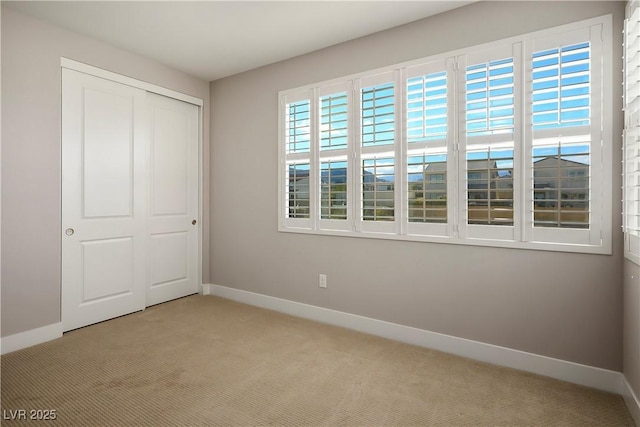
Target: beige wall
{"type": "Point", "coordinates": [562, 305]}
{"type": "Point", "coordinates": [631, 330]}
{"type": "Point", "coordinates": [31, 51]}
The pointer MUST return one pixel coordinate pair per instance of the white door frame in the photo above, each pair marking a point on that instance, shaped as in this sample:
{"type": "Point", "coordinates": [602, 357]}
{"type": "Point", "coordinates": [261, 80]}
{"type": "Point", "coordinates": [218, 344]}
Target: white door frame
{"type": "Point", "coordinates": [118, 78]}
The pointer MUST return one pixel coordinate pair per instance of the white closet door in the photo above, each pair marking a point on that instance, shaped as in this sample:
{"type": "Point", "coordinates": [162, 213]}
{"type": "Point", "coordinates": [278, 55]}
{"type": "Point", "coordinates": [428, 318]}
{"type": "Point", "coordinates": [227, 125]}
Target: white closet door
{"type": "Point", "coordinates": [173, 211]}
{"type": "Point", "coordinates": [104, 199]}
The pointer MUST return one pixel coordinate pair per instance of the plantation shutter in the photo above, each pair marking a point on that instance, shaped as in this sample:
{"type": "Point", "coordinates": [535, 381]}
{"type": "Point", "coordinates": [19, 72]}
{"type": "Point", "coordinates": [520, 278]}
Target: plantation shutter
{"type": "Point", "coordinates": [335, 167]}
{"type": "Point", "coordinates": [431, 171]}
{"type": "Point", "coordinates": [377, 153]}
{"type": "Point", "coordinates": [490, 88]}
{"type": "Point", "coordinates": [505, 144]}
{"type": "Point", "coordinates": [631, 206]}
{"type": "Point", "coordinates": [296, 183]}
{"type": "Point", "coordinates": [564, 152]}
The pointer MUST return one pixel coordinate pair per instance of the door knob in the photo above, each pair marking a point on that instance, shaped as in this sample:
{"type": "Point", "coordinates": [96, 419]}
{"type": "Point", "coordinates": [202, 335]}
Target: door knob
{"type": "Point", "coordinates": [193, 222]}
{"type": "Point", "coordinates": [69, 231]}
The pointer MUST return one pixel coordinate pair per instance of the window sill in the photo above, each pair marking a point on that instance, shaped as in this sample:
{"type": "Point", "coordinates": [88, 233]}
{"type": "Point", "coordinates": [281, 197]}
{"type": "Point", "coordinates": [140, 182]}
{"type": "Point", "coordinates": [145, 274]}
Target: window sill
{"type": "Point", "coordinates": [604, 249]}
{"type": "Point", "coordinates": [632, 248]}
{"type": "Point", "coordinates": [634, 258]}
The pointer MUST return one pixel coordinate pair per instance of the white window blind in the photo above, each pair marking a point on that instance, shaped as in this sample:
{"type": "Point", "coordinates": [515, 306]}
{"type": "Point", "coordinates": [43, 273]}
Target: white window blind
{"type": "Point", "coordinates": [506, 144]}
{"type": "Point", "coordinates": [490, 97]}
{"type": "Point", "coordinates": [298, 141]}
{"type": "Point", "coordinates": [298, 127]}
{"type": "Point", "coordinates": [488, 147]}
{"type": "Point", "coordinates": [631, 135]}
{"type": "Point", "coordinates": [429, 135]}
{"type": "Point", "coordinates": [378, 176]}
{"type": "Point", "coordinates": [376, 154]}
{"type": "Point", "coordinates": [378, 112]}
{"type": "Point", "coordinates": [298, 190]}
{"type": "Point", "coordinates": [632, 188]}
{"type": "Point", "coordinates": [561, 99]}
{"type": "Point", "coordinates": [427, 107]}
{"type": "Point", "coordinates": [632, 64]}
{"type": "Point", "coordinates": [490, 186]}
{"type": "Point", "coordinates": [333, 192]}
{"type": "Point", "coordinates": [561, 185]}
{"type": "Point", "coordinates": [564, 158]}
{"type": "Point", "coordinates": [335, 166]}
{"type": "Point", "coordinates": [296, 165]}
{"type": "Point", "coordinates": [427, 188]}
{"type": "Point", "coordinates": [333, 121]}
{"type": "Point", "coordinates": [561, 89]}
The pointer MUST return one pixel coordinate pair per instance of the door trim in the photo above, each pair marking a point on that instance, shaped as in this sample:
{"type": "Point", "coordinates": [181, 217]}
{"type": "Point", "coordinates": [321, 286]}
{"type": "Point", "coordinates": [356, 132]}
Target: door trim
{"type": "Point", "coordinates": [129, 81]}
{"type": "Point", "coordinates": [149, 87]}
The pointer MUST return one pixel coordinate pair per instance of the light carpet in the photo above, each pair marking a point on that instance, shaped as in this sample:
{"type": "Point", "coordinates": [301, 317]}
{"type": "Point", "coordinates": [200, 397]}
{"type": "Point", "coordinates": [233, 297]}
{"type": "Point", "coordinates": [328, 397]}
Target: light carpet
{"type": "Point", "coordinates": [204, 360]}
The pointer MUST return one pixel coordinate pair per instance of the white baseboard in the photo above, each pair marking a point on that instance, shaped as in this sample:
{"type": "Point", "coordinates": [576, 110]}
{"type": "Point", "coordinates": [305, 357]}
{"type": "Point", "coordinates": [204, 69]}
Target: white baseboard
{"type": "Point", "coordinates": [32, 337]}
{"type": "Point", "coordinates": [205, 289]}
{"type": "Point", "coordinates": [601, 379]}
{"type": "Point", "coordinates": [632, 400]}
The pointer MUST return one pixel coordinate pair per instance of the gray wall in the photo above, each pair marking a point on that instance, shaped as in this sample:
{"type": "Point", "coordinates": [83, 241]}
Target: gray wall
{"type": "Point", "coordinates": [31, 51]}
{"type": "Point", "coordinates": [562, 305]}
{"type": "Point", "coordinates": [631, 330]}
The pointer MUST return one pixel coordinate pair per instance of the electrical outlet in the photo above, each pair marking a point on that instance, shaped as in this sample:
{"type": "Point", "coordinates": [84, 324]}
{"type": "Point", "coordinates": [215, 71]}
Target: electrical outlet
{"type": "Point", "coordinates": [322, 281]}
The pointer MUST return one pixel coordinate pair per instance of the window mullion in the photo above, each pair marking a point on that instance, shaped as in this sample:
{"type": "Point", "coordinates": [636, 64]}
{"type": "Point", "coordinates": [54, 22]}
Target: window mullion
{"type": "Point", "coordinates": [453, 154]}
{"type": "Point", "coordinates": [351, 146]}
{"type": "Point", "coordinates": [356, 170]}
{"type": "Point", "coordinates": [334, 170]}
{"type": "Point", "coordinates": [314, 167]}
{"type": "Point", "coordinates": [378, 141]}
{"type": "Point", "coordinates": [600, 159]}
{"type": "Point", "coordinates": [461, 144]}
{"type": "Point", "coordinates": [352, 165]}
{"type": "Point", "coordinates": [519, 204]}
{"type": "Point", "coordinates": [526, 163]}
{"type": "Point", "coordinates": [401, 207]}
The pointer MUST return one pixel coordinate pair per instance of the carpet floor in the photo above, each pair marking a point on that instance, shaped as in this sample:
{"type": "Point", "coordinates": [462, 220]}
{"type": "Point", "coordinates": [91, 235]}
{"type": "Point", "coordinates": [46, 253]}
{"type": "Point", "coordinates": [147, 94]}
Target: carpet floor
{"type": "Point", "coordinates": [207, 361]}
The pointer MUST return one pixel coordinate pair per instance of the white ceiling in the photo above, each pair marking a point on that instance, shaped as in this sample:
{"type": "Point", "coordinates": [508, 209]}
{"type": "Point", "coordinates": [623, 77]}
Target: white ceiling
{"type": "Point", "coordinates": [213, 39]}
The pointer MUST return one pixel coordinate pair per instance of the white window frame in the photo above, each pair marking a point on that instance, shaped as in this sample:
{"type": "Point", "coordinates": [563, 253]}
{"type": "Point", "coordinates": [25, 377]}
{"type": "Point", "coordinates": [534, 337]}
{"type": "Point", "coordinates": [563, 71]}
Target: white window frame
{"type": "Point", "coordinates": [446, 145]}
{"type": "Point", "coordinates": [377, 152]}
{"type": "Point", "coordinates": [342, 154]}
{"type": "Point", "coordinates": [287, 159]}
{"type": "Point", "coordinates": [596, 239]}
{"type": "Point", "coordinates": [631, 133]}
{"type": "Point", "coordinates": [468, 143]}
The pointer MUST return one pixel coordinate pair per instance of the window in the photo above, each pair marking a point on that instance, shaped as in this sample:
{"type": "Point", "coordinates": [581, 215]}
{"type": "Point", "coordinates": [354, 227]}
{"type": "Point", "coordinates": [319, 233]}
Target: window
{"type": "Point", "coordinates": [561, 87]}
{"type": "Point", "coordinates": [298, 138]}
{"type": "Point", "coordinates": [297, 162]}
{"type": "Point", "coordinates": [333, 121]}
{"type": "Point", "coordinates": [427, 106]}
{"type": "Point", "coordinates": [490, 186]}
{"type": "Point", "coordinates": [631, 134]}
{"type": "Point", "coordinates": [429, 129]}
{"type": "Point", "coordinates": [488, 140]}
{"type": "Point", "coordinates": [334, 189]}
{"type": "Point", "coordinates": [377, 120]}
{"type": "Point", "coordinates": [298, 185]}
{"type": "Point", "coordinates": [334, 134]}
{"type": "Point", "coordinates": [427, 188]}
{"type": "Point", "coordinates": [504, 144]}
{"type": "Point", "coordinates": [377, 168]}
{"type": "Point", "coordinates": [567, 153]}
{"type": "Point", "coordinates": [378, 189]}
